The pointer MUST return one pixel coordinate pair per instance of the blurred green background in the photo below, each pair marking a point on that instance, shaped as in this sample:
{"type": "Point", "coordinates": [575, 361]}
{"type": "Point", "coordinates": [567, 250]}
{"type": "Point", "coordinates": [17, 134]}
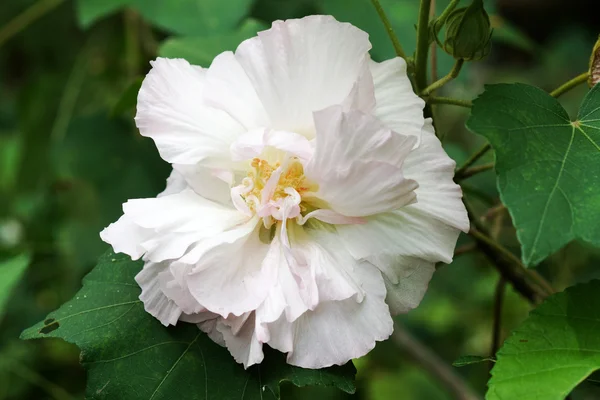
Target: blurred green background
{"type": "Point", "coordinates": [70, 156]}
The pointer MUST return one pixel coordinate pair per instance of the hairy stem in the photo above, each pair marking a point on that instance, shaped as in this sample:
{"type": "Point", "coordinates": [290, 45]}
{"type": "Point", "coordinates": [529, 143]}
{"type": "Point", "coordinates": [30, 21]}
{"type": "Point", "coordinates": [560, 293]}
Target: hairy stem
{"type": "Point", "coordinates": [450, 101]}
{"type": "Point", "coordinates": [388, 28]}
{"type": "Point", "coordinates": [444, 80]}
{"type": "Point", "coordinates": [469, 172]}
{"type": "Point", "coordinates": [565, 87]}
{"type": "Point", "coordinates": [26, 18]}
{"type": "Point", "coordinates": [422, 45]}
{"type": "Point", "coordinates": [473, 159]}
{"type": "Point", "coordinates": [432, 363]}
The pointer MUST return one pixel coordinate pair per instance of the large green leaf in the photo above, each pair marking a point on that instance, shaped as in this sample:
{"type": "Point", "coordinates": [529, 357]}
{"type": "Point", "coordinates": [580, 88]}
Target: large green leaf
{"type": "Point", "coordinates": [129, 355]}
{"type": "Point", "coordinates": [11, 271]}
{"type": "Point", "coordinates": [185, 17]}
{"type": "Point", "coordinates": [548, 167]}
{"type": "Point", "coordinates": [202, 50]}
{"type": "Point", "coordinates": [555, 349]}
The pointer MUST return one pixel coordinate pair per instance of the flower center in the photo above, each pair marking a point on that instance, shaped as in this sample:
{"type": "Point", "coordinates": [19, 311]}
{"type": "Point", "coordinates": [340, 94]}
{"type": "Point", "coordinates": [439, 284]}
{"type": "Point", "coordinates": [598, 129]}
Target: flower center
{"type": "Point", "coordinates": [273, 191]}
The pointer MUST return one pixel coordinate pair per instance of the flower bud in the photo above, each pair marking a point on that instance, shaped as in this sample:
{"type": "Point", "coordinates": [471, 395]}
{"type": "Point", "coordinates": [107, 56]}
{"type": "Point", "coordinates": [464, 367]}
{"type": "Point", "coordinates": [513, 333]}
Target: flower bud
{"type": "Point", "coordinates": [468, 32]}
{"type": "Point", "coordinates": [594, 75]}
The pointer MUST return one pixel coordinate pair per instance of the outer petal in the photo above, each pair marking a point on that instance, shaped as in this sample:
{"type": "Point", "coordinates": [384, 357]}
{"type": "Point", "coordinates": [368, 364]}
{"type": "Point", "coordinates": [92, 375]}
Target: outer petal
{"type": "Point", "coordinates": [240, 337]}
{"type": "Point", "coordinates": [231, 274]}
{"type": "Point", "coordinates": [304, 65]}
{"type": "Point", "coordinates": [206, 182]}
{"type": "Point", "coordinates": [427, 229]}
{"type": "Point", "coordinates": [337, 331]}
{"type": "Point", "coordinates": [397, 106]}
{"type": "Point", "coordinates": [406, 280]}
{"type": "Point", "coordinates": [358, 164]}
{"type": "Point", "coordinates": [165, 227]}
{"type": "Point", "coordinates": [172, 112]}
{"type": "Point", "coordinates": [155, 301]}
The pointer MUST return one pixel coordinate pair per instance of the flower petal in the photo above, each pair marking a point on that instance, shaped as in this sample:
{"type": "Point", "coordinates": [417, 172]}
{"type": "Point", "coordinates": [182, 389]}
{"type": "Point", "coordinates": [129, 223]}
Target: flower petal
{"type": "Point", "coordinates": [228, 88]}
{"type": "Point", "coordinates": [165, 227]}
{"type": "Point", "coordinates": [406, 280]}
{"type": "Point", "coordinates": [397, 106]}
{"type": "Point", "coordinates": [243, 343]}
{"type": "Point", "coordinates": [303, 65]}
{"type": "Point", "coordinates": [358, 164]}
{"type": "Point", "coordinates": [253, 143]}
{"type": "Point", "coordinates": [229, 276]}
{"type": "Point", "coordinates": [155, 302]}
{"type": "Point", "coordinates": [172, 112]}
{"type": "Point", "coordinates": [206, 182]}
{"type": "Point", "coordinates": [338, 331]}
{"type": "Point", "coordinates": [427, 229]}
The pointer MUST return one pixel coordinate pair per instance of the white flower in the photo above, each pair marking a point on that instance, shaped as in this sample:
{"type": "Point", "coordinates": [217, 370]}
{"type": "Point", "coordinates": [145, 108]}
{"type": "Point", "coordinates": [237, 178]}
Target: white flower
{"type": "Point", "coordinates": [309, 199]}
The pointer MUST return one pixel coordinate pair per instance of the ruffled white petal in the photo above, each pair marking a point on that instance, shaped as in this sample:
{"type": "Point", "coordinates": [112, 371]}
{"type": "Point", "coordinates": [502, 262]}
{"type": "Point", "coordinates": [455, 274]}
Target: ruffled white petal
{"type": "Point", "coordinates": [427, 229]}
{"type": "Point", "coordinates": [337, 331]}
{"type": "Point", "coordinates": [397, 106]}
{"type": "Point", "coordinates": [239, 335]}
{"type": "Point", "coordinates": [231, 274]}
{"type": "Point", "coordinates": [155, 301]}
{"type": "Point", "coordinates": [358, 164]}
{"type": "Point", "coordinates": [165, 227]}
{"type": "Point", "coordinates": [256, 142]}
{"type": "Point", "coordinates": [207, 182]}
{"type": "Point", "coordinates": [304, 65]}
{"type": "Point", "coordinates": [228, 88]}
{"type": "Point", "coordinates": [172, 112]}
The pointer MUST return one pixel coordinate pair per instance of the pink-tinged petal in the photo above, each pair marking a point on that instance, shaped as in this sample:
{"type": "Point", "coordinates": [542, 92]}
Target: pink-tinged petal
{"type": "Point", "coordinates": [172, 112]}
{"type": "Point", "coordinates": [304, 65]}
{"type": "Point", "coordinates": [228, 88]}
{"type": "Point", "coordinates": [155, 302]}
{"type": "Point", "coordinates": [230, 274]}
{"type": "Point", "coordinates": [427, 229]}
{"type": "Point", "coordinates": [406, 280]}
{"type": "Point", "coordinates": [358, 164]}
{"type": "Point", "coordinates": [397, 106]}
{"type": "Point", "coordinates": [337, 331]}
{"type": "Point", "coordinates": [253, 144]}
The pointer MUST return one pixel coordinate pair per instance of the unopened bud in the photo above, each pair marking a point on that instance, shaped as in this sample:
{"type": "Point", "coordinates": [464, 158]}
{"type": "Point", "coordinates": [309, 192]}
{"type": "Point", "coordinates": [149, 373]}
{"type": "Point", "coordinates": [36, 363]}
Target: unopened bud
{"type": "Point", "coordinates": [468, 33]}
{"type": "Point", "coordinates": [594, 75]}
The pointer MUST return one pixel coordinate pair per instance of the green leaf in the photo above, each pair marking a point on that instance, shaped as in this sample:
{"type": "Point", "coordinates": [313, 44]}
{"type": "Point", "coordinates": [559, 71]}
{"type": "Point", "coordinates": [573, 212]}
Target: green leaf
{"type": "Point", "coordinates": [184, 17]}
{"type": "Point", "coordinates": [202, 50]}
{"type": "Point", "coordinates": [469, 360]}
{"type": "Point", "coordinates": [130, 355]}
{"type": "Point", "coordinates": [555, 349]}
{"type": "Point", "coordinates": [11, 271]}
{"type": "Point", "coordinates": [548, 167]}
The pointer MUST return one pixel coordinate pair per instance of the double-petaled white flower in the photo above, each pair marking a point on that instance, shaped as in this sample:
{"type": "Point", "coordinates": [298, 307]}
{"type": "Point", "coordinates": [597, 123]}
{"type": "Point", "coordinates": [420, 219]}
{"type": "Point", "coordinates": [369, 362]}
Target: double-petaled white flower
{"type": "Point", "coordinates": [309, 198]}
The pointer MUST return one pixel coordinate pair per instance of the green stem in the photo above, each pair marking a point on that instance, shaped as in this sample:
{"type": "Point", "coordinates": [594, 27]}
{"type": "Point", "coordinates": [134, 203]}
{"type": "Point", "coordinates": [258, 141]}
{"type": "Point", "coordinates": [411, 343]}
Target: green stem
{"type": "Point", "coordinates": [469, 172]}
{"type": "Point", "coordinates": [390, 31]}
{"type": "Point", "coordinates": [473, 159]}
{"type": "Point", "coordinates": [26, 18]}
{"type": "Point", "coordinates": [422, 45]}
{"type": "Point", "coordinates": [449, 100]}
{"type": "Point", "coordinates": [497, 327]}
{"type": "Point", "coordinates": [439, 23]}
{"type": "Point", "coordinates": [565, 87]}
{"type": "Point", "coordinates": [444, 80]}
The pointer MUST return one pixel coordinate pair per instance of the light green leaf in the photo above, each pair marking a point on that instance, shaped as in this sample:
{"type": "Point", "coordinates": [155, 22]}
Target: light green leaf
{"type": "Point", "coordinates": [89, 11]}
{"type": "Point", "coordinates": [202, 50]}
{"type": "Point", "coordinates": [469, 360]}
{"type": "Point", "coordinates": [11, 271]}
{"type": "Point", "coordinates": [555, 349]}
{"type": "Point", "coordinates": [548, 167]}
{"type": "Point", "coordinates": [184, 17]}
{"type": "Point", "coordinates": [129, 355]}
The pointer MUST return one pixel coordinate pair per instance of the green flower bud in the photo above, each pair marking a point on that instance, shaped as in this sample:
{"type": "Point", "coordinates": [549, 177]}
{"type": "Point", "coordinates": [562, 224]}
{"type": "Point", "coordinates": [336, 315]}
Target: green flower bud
{"type": "Point", "coordinates": [594, 75]}
{"type": "Point", "coordinates": [468, 33]}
